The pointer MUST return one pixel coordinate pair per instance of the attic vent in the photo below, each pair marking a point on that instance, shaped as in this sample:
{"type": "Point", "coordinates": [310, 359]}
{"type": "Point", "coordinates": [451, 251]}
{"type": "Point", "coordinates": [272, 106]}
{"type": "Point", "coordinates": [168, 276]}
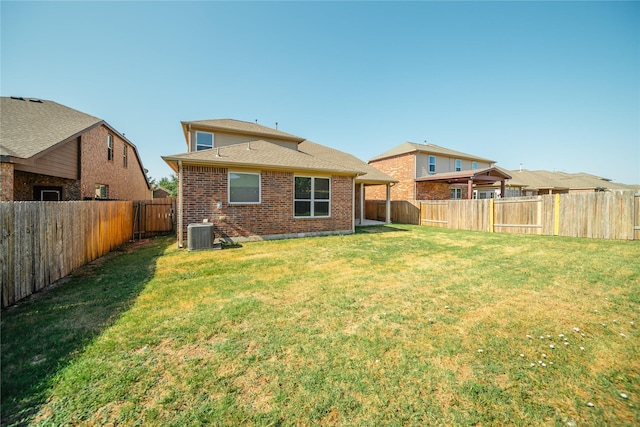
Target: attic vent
{"type": "Point", "coordinates": [19, 98]}
{"type": "Point", "coordinates": [39, 101]}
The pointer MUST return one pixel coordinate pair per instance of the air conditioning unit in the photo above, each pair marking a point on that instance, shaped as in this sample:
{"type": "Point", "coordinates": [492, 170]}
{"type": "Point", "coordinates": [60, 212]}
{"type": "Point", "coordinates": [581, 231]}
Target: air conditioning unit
{"type": "Point", "coordinates": [200, 236]}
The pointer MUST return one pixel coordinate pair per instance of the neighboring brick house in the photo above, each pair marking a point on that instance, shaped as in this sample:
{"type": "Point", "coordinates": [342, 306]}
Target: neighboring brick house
{"type": "Point", "coordinates": [431, 172]}
{"type": "Point", "coordinates": [253, 182]}
{"type": "Point", "coordinates": [52, 152]}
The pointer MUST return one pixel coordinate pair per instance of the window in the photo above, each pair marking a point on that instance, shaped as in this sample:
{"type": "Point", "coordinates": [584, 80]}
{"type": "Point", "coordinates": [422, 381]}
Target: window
{"type": "Point", "coordinates": [474, 165]}
{"type": "Point", "coordinates": [244, 187]}
{"type": "Point", "coordinates": [109, 147]}
{"type": "Point", "coordinates": [102, 191]}
{"type": "Point", "coordinates": [204, 141]}
{"type": "Point", "coordinates": [456, 193]}
{"type": "Point", "coordinates": [512, 192]}
{"type": "Point", "coordinates": [432, 164]}
{"type": "Point", "coordinates": [124, 156]}
{"type": "Point", "coordinates": [47, 193]}
{"type": "Point", "coordinates": [312, 197]}
{"type": "Point", "coordinates": [458, 165]}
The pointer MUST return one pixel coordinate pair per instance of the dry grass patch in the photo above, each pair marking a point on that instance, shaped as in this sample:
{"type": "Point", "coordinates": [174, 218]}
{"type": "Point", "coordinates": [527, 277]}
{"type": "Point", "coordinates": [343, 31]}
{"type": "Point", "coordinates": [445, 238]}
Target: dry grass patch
{"type": "Point", "coordinates": [376, 328]}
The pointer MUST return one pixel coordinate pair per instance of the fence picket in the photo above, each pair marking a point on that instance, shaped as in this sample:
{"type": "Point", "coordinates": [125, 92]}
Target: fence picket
{"type": "Point", "coordinates": [601, 215]}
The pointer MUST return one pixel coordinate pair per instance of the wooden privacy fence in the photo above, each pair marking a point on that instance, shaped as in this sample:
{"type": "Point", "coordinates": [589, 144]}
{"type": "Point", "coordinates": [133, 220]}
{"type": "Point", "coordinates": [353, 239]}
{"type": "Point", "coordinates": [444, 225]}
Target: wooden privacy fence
{"type": "Point", "coordinates": [41, 242]}
{"type": "Point", "coordinates": [600, 215]}
{"type": "Point", "coordinates": [401, 211]}
{"type": "Point", "coordinates": [153, 217]}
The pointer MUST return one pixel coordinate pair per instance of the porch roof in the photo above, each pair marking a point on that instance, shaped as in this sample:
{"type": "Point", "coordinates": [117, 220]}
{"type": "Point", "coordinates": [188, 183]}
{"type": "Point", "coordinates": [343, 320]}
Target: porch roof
{"type": "Point", "coordinates": [486, 176]}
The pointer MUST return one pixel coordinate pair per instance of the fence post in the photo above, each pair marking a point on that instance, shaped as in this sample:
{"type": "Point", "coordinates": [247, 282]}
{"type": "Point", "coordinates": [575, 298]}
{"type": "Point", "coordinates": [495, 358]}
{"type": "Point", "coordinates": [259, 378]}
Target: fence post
{"type": "Point", "coordinates": [491, 214]}
{"type": "Point", "coordinates": [556, 215]}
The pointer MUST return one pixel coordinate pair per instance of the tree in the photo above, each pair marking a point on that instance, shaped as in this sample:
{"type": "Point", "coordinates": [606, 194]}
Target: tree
{"type": "Point", "coordinates": [170, 184]}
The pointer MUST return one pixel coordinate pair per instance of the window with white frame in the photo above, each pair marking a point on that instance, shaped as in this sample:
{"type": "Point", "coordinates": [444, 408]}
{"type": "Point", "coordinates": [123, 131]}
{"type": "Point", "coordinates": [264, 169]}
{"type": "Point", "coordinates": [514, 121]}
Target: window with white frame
{"type": "Point", "coordinates": [456, 193]}
{"type": "Point", "coordinates": [474, 165]}
{"type": "Point", "coordinates": [458, 165]}
{"type": "Point", "coordinates": [244, 188]}
{"type": "Point", "coordinates": [204, 140]}
{"type": "Point", "coordinates": [312, 197]}
{"type": "Point", "coordinates": [432, 164]}
{"type": "Point", "coordinates": [109, 146]}
{"type": "Point", "coordinates": [102, 191]}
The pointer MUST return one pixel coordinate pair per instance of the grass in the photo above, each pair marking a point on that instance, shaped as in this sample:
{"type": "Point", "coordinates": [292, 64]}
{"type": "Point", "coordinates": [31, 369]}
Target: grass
{"type": "Point", "coordinates": [383, 327]}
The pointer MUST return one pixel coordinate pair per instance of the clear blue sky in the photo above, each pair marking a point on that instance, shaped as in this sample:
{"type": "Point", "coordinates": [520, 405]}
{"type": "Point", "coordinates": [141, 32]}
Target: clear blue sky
{"type": "Point", "coordinates": [551, 85]}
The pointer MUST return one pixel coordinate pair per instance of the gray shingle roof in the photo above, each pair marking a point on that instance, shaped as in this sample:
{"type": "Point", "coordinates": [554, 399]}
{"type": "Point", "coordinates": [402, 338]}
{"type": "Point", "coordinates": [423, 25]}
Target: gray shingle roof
{"type": "Point", "coordinates": [261, 154]}
{"type": "Point", "coordinates": [542, 180]}
{"type": "Point", "coordinates": [466, 174]}
{"type": "Point", "coordinates": [29, 126]}
{"type": "Point", "coordinates": [247, 128]}
{"type": "Point", "coordinates": [371, 176]}
{"type": "Point", "coordinates": [412, 147]}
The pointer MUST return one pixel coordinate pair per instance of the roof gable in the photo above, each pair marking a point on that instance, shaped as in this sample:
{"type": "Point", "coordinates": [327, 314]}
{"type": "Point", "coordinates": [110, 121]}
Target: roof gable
{"type": "Point", "coordinates": [412, 147]}
{"type": "Point", "coordinates": [241, 127]}
{"type": "Point", "coordinates": [30, 126]}
{"type": "Point", "coordinates": [491, 174]}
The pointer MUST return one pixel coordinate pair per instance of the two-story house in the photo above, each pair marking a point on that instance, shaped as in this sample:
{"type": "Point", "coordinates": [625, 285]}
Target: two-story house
{"type": "Point", "coordinates": [431, 172]}
{"type": "Point", "coordinates": [254, 182]}
{"type": "Point", "coordinates": [52, 152]}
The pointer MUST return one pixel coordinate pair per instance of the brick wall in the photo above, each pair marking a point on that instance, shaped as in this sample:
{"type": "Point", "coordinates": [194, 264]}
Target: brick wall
{"type": "Point", "coordinates": [434, 191]}
{"type": "Point", "coordinates": [401, 168]}
{"type": "Point", "coordinates": [203, 187]}
{"type": "Point", "coordinates": [6, 182]}
{"type": "Point", "coordinates": [125, 183]}
{"type": "Point", "coordinates": [24, 183]}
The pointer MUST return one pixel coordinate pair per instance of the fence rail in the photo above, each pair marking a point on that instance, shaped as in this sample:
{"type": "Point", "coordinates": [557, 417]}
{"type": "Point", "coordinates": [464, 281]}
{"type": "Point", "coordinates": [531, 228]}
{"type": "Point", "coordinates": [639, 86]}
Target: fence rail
{"type": "Point", "coordinates": [602, 215]}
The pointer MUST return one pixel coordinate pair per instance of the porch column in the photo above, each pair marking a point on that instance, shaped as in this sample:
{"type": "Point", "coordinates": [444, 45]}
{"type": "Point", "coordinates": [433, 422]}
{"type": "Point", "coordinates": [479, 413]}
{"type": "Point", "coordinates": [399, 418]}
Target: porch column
{"type": "Point", "coordinates": [361, 203]}
{"type": "Point", "coordinates": [470, 189]}
{"type": "Point", "coordinates": [502, 195]}
{"type": "Point", "coordinates": [388, 207]}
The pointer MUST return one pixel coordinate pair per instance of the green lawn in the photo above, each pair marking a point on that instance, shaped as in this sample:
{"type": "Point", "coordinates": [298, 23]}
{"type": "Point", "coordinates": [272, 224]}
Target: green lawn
{"type": "Point", "coordinates": [395, 325]}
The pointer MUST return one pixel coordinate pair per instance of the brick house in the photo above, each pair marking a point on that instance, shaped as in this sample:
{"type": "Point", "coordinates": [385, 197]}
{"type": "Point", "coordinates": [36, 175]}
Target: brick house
{"type": "Point", "coordinates": [52, 152]}
{"type": "Point", "coordinates": [253, 182]}
{"type": "Point", "coordinates": [431, 172]}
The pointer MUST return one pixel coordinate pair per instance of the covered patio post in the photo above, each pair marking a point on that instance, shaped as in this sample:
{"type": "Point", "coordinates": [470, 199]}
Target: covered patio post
{"type": "Point", "coordinates": [470, 189]}
{"type": "Point", "coordinates": [361, 203]}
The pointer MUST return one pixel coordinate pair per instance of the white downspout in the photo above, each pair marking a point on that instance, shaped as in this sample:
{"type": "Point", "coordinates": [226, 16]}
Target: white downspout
{"type": "Point", "coordinates": [180, 225]}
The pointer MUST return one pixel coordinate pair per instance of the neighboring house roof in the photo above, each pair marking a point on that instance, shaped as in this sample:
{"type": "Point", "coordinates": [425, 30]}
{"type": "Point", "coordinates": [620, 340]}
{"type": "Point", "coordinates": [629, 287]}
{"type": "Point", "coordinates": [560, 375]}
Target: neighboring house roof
{"type": "Point", "coordinates": [371, 174]}
{"type": "Point", "coordinates": [412, 147]}
{"type": "Point", "coordinates": [238, 126]}
{"type": "Point", "coordinates": [30, 126]}
{"type": "Point", "coordinates": [487, 175]}
{"type": "Point", "coordinates": [160, 192]}
{"type": "Point", "coordinates": [260, 154]}
{"type": "Point", "coordinates": [547, 180]}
